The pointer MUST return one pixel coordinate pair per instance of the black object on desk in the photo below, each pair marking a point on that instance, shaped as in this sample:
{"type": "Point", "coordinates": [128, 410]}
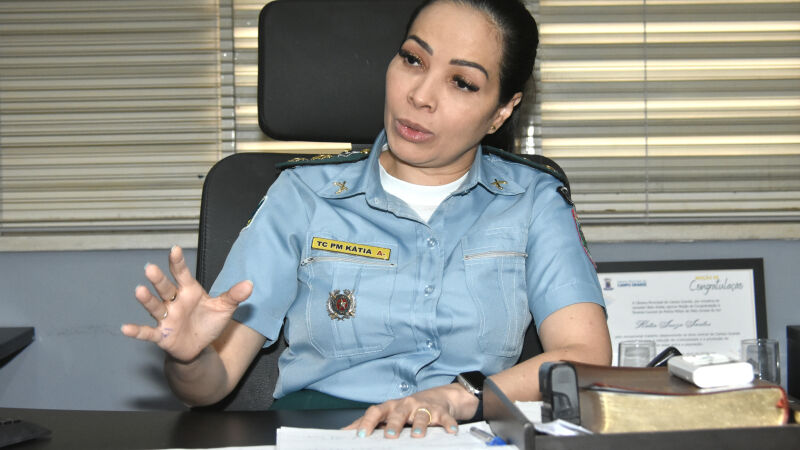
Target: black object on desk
{"type": "Point", "coordinates": [661, 359]}
{"type": "Point", "coordinates": [14, 431]}
{"type": "Point", "coordinates": [13, 339]}
{"type": "Point", "coordinates": [558, 383]}
{"type": "Point", "coordinates": [793, 360]}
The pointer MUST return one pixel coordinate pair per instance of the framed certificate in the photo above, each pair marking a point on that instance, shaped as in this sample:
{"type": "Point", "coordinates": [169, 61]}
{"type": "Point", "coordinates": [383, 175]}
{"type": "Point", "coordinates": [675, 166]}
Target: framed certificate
{"type": "Point", "coordinates": [696, 306]}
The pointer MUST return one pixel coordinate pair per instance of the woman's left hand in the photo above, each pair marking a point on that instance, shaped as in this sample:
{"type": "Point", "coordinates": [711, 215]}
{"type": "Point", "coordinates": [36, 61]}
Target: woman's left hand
{"type": "Point", "coordinates": [440, 406]}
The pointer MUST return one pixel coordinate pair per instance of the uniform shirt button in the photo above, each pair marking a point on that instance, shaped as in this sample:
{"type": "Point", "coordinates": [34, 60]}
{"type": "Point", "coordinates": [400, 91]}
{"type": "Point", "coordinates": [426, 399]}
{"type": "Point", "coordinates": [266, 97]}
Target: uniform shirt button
{"type": "Point", "coordinates": [432, 242]}
{"type": "Point", "coordinates": [429, 343]}
{"type": "Point", "coordinates": [403, 386]}
{"type": "Point", "coordinates": [429, 289]}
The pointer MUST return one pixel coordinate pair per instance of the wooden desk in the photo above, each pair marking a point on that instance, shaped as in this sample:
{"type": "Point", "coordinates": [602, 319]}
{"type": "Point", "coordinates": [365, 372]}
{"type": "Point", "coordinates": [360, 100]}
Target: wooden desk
{"type": "Point", "coordinates": [195, 429]}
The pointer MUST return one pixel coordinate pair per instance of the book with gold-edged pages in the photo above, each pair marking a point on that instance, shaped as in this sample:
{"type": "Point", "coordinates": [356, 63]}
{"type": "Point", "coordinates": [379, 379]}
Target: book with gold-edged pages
{"type": "Point", "coordinates": [622, 399]}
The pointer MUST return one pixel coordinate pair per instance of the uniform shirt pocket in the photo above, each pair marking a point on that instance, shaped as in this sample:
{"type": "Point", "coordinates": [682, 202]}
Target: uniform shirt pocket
{"type": "Point", "coordinates": [494, 265]}
{"type": "Point", "coordinates": [333, 279]}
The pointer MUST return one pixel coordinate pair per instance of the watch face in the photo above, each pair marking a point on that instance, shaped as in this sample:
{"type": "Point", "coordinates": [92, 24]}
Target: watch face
{"type": "Point", "coordinates": [473, 380]}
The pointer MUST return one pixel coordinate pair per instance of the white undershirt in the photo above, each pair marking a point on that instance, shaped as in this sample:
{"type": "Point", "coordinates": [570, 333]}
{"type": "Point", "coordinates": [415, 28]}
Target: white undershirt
{"type": "Point", "coordinates": [422, 199]}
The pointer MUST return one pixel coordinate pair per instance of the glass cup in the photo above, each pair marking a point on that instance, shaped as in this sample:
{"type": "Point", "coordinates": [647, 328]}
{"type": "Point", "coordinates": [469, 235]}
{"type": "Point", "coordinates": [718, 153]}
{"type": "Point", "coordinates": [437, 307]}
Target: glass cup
{"type": "Point", "coordinates": [762, 354]}
{"type": "Point", "coordinates": [636, 353]}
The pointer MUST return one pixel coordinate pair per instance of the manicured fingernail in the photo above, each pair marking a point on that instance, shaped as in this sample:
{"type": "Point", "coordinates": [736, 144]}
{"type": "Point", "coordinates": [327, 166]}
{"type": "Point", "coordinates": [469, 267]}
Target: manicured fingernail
{"type": "Point", "coordinates": [391, 432]}
{"type": "Point", "coordinates": [417, 430]}
{"type": "Point", "coordinates": [145, 265]}
{"type": "Point", "coordinates": [362, 433]}
{"type": "Point", "coordinates": [453, 428]}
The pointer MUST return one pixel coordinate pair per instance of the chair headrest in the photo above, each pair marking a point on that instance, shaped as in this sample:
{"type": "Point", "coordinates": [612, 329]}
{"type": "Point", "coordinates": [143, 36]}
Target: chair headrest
{"type": "Point", "coordinates": [322, 66]}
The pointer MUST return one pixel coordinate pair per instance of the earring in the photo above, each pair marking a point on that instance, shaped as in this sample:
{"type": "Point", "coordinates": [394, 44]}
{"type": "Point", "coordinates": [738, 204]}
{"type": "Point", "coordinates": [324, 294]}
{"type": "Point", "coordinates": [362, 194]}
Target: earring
{"type": "Point", "coordinates": [492, 129]}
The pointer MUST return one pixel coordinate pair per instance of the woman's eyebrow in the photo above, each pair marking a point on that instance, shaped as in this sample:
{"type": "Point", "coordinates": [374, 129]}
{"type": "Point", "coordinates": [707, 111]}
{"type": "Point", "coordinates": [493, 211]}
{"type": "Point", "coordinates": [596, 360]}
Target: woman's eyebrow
{"type": "Point", "coordinates": [423, 44]}
{"type": "Point", "coordinates": [462, 62]}
{"type": "Point", "coordinates": [458, 62]}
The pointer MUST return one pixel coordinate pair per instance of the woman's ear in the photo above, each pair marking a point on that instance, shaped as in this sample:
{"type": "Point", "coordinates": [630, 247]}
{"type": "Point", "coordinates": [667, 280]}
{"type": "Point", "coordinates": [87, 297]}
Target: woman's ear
{"type": "Point", "coordinates": [504, 112]}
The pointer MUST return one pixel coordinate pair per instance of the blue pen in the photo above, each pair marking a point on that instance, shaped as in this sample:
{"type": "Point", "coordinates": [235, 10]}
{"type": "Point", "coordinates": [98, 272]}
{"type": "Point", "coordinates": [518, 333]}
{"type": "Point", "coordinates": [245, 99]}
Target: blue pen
{"type": "Point", "coordinates": [485, 437]}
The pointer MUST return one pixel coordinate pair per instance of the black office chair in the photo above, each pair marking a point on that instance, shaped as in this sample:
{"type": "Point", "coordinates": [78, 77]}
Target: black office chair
{"type": "Point", "coordinates": [321, 78]}
{"type": "Point", "coordinates": [231, 191]}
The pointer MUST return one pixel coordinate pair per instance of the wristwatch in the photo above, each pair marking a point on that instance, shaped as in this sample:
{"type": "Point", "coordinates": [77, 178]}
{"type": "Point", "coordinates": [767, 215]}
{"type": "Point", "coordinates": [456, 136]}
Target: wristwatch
{"type": "Point", "coordinates": [473, 383]}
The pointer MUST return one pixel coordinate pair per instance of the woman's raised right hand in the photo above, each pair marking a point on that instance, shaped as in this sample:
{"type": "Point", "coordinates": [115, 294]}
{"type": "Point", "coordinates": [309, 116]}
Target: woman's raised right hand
{"type": "Point", "coordinates": [188, 318]}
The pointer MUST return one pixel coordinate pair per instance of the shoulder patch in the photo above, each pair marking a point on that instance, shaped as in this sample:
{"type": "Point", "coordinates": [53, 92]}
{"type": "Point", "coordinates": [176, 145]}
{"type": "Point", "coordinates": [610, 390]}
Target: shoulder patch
{"type": "Point", "coordinates": [344, 157]}
{"type": "Point", "coordinates": [538, 162]}
{"type": "Point", "coordinates": [584, 244]}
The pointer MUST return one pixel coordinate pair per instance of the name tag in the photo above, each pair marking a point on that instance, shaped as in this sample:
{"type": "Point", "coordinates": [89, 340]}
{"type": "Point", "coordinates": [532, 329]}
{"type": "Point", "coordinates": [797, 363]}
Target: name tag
{"type": "Point", "coordinates": [350, 248]}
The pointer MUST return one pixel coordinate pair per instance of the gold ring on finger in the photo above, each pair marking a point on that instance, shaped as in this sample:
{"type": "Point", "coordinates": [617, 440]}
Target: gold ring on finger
{"type": "Point", "coordinates": [166, 313]}
{"type": "Point", "coordinates": [174, 296]}
{"type": "Point", "coordinates": [425, 410]}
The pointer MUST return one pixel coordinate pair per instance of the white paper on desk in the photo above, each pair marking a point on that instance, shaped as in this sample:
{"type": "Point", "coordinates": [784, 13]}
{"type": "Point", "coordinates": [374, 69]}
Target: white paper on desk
{"type": "Point", "coordinates": [436, 437]}
{"type": "Point", "coordinates": [533, 412]}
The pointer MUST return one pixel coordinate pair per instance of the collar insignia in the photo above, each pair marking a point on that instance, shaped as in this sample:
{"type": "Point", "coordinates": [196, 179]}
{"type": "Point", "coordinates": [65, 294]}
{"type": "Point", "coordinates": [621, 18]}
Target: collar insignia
{"type": "Point", "coordinates": [499, 183]}
{"type": "Point", "coordinates": [341, 186]}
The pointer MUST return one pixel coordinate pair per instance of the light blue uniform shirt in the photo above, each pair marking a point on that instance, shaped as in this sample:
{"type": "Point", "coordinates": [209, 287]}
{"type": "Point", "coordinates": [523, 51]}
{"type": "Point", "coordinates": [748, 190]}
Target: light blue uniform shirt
{"type": "Point", "coordinates": [455, 294]}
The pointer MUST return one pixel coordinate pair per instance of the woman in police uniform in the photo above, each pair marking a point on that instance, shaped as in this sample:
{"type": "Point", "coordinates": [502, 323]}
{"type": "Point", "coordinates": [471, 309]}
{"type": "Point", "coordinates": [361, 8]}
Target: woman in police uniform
{"type": "Point", "coordinates": [399, 269]}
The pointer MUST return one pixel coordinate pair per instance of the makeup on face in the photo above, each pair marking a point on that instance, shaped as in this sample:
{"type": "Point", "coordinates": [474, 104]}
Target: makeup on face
{"type": "Point", "coordinates": [442, 91]}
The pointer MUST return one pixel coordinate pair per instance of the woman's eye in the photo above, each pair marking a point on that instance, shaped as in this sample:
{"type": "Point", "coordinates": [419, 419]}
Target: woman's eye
{"type": "Point", "coordinates": [464, 84]}
{"type": "Point", "coordinates": [409, 57]}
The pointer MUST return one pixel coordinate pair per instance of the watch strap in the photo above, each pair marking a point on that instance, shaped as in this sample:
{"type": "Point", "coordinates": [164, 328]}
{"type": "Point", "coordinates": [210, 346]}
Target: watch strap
{"type": "Point", "coordinates": [478, 417]}
{"type": "Point", "coordinates": [468, 381]}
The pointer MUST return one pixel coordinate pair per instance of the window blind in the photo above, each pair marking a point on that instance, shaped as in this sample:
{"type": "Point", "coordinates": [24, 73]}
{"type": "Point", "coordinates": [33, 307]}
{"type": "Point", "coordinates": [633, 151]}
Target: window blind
{"type": "Point", "coordinates": [111, 113]}
{"type": "Point", "coordinates": [670, 110]}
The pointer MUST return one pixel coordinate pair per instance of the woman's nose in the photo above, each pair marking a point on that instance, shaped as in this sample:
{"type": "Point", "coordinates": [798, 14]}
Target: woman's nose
{"type": "Point", "coordinates": [423, 94]}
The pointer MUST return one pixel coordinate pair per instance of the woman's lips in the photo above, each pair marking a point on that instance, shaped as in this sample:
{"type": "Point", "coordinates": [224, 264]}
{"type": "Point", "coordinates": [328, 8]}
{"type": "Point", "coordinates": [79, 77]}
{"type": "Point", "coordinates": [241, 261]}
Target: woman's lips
{"type": "Point", "coordinates": [411, 131]}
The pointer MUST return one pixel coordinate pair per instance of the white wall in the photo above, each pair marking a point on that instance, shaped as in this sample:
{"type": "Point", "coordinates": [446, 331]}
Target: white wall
{"type": "Point", "coordinates": [78, 300]}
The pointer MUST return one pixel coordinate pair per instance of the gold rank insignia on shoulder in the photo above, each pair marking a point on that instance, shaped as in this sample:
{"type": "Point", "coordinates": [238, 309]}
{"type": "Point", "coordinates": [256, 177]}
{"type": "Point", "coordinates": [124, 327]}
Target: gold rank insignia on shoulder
{"type": "Point", "coordinates": [341, 305]}
{"type": "Point", "coordinates": [334, 158]}
{"type": "Point", "coordinates": [538, 162]}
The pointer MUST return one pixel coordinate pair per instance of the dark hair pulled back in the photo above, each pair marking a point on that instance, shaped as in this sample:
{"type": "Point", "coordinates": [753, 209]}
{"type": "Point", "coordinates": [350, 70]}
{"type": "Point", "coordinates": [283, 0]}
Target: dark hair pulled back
{"type": "Point", "coordinates": [520, 39]}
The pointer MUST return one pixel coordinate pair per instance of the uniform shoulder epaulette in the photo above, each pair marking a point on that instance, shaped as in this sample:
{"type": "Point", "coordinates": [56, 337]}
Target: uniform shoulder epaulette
{"type": "Point", "coordinates": [344, 157]}
{"type": "Point", "coordinates": [538, 162]}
